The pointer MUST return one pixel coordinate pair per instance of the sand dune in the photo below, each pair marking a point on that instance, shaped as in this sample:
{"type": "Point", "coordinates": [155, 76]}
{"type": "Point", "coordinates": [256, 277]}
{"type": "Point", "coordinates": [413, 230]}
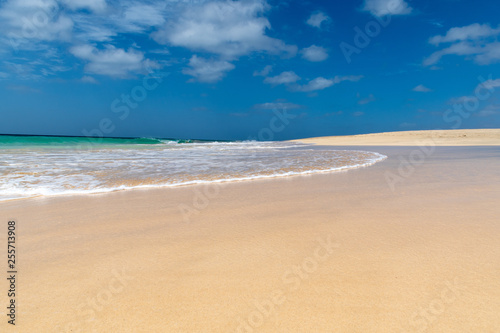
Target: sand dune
{"type": "Point", "coordinates": [462, 137]}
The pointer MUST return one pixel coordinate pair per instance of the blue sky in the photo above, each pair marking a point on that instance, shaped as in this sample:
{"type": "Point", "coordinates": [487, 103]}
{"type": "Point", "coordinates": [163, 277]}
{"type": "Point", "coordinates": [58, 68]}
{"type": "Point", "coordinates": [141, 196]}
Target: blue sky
{"type": "Point", "coordinates": [247, 69]}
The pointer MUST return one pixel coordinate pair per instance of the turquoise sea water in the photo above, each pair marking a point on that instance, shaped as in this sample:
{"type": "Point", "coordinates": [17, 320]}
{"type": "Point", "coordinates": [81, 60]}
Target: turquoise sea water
{"type": "Point", "coordinates": [13, 141]}
{"type": "Point", "coordinates": [33, 166]}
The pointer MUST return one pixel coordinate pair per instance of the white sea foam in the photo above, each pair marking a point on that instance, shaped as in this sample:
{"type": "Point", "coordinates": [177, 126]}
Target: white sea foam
{"type": "Point", "coordinates": [47, 171]}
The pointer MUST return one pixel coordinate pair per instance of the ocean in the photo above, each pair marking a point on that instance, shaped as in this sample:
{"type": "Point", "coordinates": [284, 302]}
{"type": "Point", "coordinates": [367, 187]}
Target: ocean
{"type": "Point", "coordinates": [32, 166]}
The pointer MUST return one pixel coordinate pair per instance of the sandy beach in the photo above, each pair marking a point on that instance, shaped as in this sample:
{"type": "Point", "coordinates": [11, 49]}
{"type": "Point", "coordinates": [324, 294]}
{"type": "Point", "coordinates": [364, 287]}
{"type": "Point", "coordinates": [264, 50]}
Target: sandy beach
{"type": "Point", "coordinates": [409, 244]}
{"type": "Point", "coordinates": [460, 137]}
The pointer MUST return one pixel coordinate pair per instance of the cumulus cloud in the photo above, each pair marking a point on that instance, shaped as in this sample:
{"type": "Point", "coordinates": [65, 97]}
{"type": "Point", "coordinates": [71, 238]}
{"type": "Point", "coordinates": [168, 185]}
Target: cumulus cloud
{"type": "Point", "coordinates": [290, 79]}
{"type": "Point", "coordinates": [207, 70]}
{"type": "Point", "coordinates": [421, 88]}
{"type": "Point", "coordinates": [489, 110]}
{"type": "Point", "coordinates": [321, 83]}
{"type": "Point", "coordinates": [387, 7]}
{"type": "Point", "coordinates": [470, 32]}
{"type": "Point", "coordinates": [314, 53]}
{"type": "Point", "coordinates": [111, 61]}
{"type": "Point", "coordinates": [489, 54]}
{"type": "Point", "coordinates": [264, 72]}
{"type": "Point", "coordinates": [226, 28]}
{"type": "Point", "coordinates": [478, 41]}
{"type": "Point", "coordinates": [93, 5]}
{"type": "Point", "coordinates": [87, 31]}
{"type": "Point", "coordinates": [134, 17]}
{"type": "Point", "coordinates": [145, 15]}
{"type": "Point", "coordinates": [277, 105]}
{"type": "Point", "coordinates": [88, 79]}
{"type": "Point", "coordinates": [315, 20]}
{"type": "Point", "coordinates": [283, 78]}
{"type": "Point", "coordinates": [462, 100]}
{"type": "Point", "coordinates": [119, 18]}
{"type": "Point", "coordinates": [87, 28]}
{"type": "Point", "coordinates": [318, 83]}
{"type": "Point", "coordinates": [25, 22]}
{"type": "Point", "coordinates": [41, 25]}
{"type": "Point", "coordinates": [489, 84]}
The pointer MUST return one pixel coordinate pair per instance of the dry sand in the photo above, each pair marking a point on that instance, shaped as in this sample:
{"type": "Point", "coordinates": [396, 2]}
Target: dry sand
{"type": "Point", "coordinates": [462, 137]}
{"type": "Point", "coordinates": [422, 256]}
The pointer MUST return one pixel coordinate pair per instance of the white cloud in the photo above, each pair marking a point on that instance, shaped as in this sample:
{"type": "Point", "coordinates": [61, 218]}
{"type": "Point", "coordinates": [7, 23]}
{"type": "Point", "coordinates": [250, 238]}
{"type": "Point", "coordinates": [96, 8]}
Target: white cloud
{"type": "Point", "coordinates": [290, 79]}
{"type": "Point", "coordinates": [462, 100]}
{"type": "Point", "coordinates": [421, 88]}
{"type": "Point", "coordinates": [264, 72]}
{"type": "Point", "coordinates": [489, 84]}
{"type": "Point", "coordinates": [94, 5]}
{"type": "Point", "coordinates": [489, 54]}
{"type": "Point", "coordinates": [476, 41]}
{"type": "Point", "coordinates": [352, 78]}
{"type": "Point", "coordinates": [367, 100]}
{"type": "Point", "coordinates": [111, 61]}
{"type": "Point", "coordinates": [89, 31]}
{"type": "Point", "coordinates": [45, 64]}
{"type": "Point", "coordinates": [387, 7]}
{"type": "Point", "coordinates": [470, 32]}
{"type": "Point", "coordinates": [283, 78]}
{"type": "Point", "coordinates": [487, 113]}
{"type": "Point", "coordinates": [318, 83]}
{"type": "Point", "coordinates": [25, 22]}
{"type": "Point", "coordinates": [314, 53]}
{"type": "Point", "coordinates": [277, 105]}
{"type": "Point", "coordinates": [123, 17]}
{"type": "Point", "coordinates": [461, 48]}
{"type": "Point", "coordinates": [226, 28]}
{"type": "Point", "coordinates": [207, 70]}
{"type": "Point", "coordinates": [88, 79]}
{"type": "Point", "coordinates": [482, 54]}
{"type": "Point", "coordinates": [489, 110]}
{"type": "Point", "coordinates": [41, 25]}
{"type": "Point", "coordinates": [315, 20]}
{"type": "Point", "coordinates": [321, 83]}
{"type": "Point", "coordinates": [139, 17]}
